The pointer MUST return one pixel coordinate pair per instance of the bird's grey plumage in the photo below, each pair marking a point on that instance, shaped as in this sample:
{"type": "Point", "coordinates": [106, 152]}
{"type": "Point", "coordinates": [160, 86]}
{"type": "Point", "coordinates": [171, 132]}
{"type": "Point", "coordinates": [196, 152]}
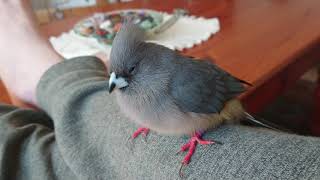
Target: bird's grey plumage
{"type": "Point", "coordinates": [124, 46]}
{"type": "Point", "coordinates": [202, 87]}
{"type": "Point", "coordinates": [168, 92]}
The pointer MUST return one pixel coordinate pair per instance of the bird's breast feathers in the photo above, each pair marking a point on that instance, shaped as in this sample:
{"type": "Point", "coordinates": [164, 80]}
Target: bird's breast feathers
{"type": "Point", "coordinates": [166, 117]}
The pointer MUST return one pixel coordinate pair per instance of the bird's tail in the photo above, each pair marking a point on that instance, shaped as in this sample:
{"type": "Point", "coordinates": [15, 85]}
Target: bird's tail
{"type": "Point", "coordinates": [264, 123]}
{"type": "Point", "coordinates": [234, 112]}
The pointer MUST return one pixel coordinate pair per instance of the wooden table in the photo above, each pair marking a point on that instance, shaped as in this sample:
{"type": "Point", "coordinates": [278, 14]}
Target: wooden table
{"type": "Point", "coordinates": [269, 43]}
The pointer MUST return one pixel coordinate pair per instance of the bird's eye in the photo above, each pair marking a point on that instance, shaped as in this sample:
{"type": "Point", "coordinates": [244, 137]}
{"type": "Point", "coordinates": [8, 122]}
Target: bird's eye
{"type": "Point", "coordinates": [132, 69]}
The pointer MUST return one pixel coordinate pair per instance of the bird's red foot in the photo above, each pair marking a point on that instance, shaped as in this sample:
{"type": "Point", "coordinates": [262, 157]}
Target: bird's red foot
{"type": "Point", "coordinates": [191, 146]}
{"type": "Point", "coordinates": [142, 130]}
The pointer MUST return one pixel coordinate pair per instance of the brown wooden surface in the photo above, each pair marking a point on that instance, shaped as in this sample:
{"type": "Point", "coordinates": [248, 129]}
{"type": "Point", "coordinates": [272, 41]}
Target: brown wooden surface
{"type": "Point", "coordinates": [257, 39]}
{"type": "Point", "coordinates": [263, 42]}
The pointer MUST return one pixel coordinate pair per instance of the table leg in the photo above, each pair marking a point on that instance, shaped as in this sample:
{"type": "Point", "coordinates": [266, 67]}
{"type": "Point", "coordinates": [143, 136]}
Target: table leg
{"type": "Point", "coordinates": [314, 124]}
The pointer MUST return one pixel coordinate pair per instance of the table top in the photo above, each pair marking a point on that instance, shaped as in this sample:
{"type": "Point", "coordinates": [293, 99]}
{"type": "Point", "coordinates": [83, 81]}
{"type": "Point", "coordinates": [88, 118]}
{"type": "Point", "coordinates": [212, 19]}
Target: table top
{"type": "Point", "coordinates": [257, 38]}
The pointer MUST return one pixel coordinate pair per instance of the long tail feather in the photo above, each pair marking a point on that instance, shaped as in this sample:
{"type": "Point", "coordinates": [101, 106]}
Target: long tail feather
{"type": "Point", "coordinates": [264, 124]}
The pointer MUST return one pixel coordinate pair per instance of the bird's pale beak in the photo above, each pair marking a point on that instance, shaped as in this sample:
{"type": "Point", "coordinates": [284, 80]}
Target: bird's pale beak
{"type": "Point", "coordinates": [116, 82]}
{"type": "Point", "coordinates": [111, 87]}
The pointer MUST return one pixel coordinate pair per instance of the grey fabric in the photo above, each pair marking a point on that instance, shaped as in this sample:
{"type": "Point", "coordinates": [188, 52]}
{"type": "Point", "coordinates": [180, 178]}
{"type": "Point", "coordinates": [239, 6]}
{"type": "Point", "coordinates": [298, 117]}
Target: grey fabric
{"type": "Point", "coordinates": [90, 139]}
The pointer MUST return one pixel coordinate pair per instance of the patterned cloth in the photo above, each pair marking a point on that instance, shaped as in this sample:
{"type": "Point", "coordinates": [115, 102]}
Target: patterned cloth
{"type": "Point", "coordinates": [185, 33]}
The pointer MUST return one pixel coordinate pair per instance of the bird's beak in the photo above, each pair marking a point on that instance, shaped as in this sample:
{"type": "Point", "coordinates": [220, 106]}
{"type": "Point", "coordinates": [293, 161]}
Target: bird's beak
{"type": "Point", "coordinates": [111, 87]}
{"type": "Point", "coordinates": [116, 82]}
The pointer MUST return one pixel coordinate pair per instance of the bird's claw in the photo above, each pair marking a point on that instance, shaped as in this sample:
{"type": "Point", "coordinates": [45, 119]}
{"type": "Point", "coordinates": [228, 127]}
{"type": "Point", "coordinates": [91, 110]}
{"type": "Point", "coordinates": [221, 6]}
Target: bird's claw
{"type": "Point", "coordinates": [143, 131]}
{"type": "Point", "coordinates": [191, 146]}
{"type": "Point", "coordinates": [181, 170]}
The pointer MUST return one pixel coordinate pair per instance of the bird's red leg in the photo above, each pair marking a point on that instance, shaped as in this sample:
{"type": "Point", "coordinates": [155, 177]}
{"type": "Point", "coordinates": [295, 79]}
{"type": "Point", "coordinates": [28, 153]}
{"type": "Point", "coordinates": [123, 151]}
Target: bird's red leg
{"type": "Point", "coordinates": [191, 146]}
{"type": "Point", "coordinates": [142, 130]}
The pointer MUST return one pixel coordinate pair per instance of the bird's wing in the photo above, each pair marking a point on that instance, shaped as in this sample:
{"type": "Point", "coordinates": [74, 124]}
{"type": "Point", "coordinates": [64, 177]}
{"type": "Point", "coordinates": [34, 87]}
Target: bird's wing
{"type": "Point", "coordinates": [202, 87]}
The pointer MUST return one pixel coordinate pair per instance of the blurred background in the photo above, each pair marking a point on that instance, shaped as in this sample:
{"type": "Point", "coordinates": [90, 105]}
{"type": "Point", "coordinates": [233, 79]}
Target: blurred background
{"type": "Point", "coordinates": [49, 10]}
{"type": "Point", "coordinates": [294, 109]}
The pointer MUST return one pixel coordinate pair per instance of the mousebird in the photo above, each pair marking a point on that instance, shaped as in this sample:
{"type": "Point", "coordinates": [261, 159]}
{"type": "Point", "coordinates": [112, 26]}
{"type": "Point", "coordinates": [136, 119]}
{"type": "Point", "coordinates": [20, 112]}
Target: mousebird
{"type": "Point", "coordinates": [169, 93]}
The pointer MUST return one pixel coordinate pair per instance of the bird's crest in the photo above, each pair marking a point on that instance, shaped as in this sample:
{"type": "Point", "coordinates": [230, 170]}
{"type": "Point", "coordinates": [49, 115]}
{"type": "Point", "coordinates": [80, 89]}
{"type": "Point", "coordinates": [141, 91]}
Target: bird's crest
{"type": "Point", "coordinates": [127, 39]}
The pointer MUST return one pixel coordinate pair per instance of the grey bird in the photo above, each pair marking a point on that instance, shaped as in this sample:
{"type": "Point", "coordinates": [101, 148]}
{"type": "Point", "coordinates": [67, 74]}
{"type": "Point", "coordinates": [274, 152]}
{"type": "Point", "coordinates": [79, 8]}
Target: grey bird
{"type": "Point", "coordinates": [169, 93]}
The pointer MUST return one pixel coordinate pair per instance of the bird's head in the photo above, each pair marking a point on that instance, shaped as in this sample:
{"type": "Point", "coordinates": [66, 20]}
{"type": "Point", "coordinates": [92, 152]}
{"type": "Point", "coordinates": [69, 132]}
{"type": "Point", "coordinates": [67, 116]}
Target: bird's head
{"type": "Point", "coordinates": [134, 63]}
{"type": "Point", "coordinates": [123, 60]}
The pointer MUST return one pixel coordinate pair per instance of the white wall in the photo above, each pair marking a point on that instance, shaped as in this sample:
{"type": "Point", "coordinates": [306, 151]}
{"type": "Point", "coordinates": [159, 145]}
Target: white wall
{"type": "Point", "coordinates": [63, 4]}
